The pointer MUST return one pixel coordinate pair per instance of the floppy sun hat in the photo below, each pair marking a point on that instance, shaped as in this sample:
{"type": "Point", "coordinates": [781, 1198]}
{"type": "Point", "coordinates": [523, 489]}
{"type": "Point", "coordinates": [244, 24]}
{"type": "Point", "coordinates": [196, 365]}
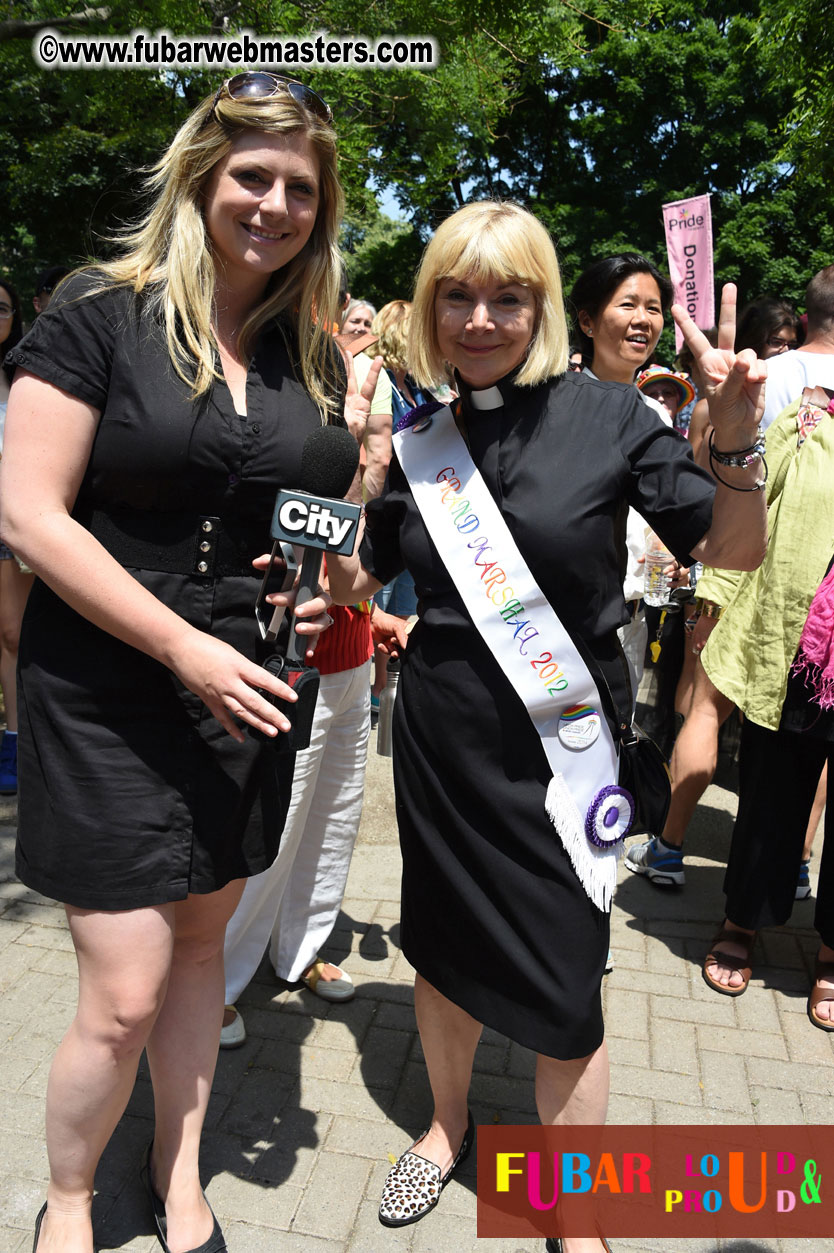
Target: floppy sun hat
{"type": "Point", "coordinates": [658, 373]}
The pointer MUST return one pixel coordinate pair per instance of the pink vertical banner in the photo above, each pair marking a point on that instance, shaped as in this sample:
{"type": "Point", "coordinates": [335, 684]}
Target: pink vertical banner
{"type": "Point", "coordinates": [688, 226]}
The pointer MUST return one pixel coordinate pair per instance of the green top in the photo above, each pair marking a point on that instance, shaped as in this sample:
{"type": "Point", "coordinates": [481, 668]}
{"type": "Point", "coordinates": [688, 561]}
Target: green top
{"type": "Point", "coordinates": [717, 585]}
{"type": "Point", "coordinates": [750, 652]}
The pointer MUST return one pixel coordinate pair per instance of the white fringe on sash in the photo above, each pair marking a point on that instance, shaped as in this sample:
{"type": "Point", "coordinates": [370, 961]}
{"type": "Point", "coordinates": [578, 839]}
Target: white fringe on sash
{"type": "Point", "coordinates": [595, 867]}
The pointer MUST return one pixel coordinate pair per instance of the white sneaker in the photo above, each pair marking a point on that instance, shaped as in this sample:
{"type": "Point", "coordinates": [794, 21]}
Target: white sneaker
{"type": "Point", "coordinates": [234, 1035]}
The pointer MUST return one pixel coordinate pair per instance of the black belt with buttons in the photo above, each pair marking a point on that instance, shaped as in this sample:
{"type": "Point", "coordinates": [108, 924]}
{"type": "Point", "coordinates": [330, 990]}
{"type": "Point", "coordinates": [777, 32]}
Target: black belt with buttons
{"type": "Point", "coordinates": [176, 542]}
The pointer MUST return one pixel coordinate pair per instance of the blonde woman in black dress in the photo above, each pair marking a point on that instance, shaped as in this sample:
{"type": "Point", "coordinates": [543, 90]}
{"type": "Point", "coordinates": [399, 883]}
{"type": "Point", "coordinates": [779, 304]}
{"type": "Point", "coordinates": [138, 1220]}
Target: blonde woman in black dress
{"type": "Point", "coordinates": [159, 403]}
{"type": "Point", "coordinates": [495, 918]}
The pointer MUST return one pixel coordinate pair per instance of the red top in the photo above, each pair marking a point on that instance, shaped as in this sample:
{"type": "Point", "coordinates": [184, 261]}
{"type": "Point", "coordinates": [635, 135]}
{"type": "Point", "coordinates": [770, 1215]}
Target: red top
{"type": "Point", "coordinates": [347, 644]}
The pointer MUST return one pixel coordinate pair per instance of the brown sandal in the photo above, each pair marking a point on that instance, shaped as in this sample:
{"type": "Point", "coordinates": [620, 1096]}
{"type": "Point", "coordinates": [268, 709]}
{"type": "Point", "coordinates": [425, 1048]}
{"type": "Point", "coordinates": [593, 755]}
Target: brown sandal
{"type": "Point", "coordinates": [742, 964]}
{"type": "Point", "coordinates": [823, 970]}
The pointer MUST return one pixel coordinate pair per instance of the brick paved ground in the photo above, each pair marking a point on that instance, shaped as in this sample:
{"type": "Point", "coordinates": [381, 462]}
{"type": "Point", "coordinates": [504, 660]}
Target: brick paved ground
{"type": "Point", "coordinates": [304, 1118]}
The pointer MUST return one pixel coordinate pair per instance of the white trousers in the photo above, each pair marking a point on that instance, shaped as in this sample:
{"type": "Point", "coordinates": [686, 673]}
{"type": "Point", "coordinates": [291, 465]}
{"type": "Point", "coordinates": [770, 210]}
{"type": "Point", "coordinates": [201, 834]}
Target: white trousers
{"type": "Point", "coordinates": [634, 637]}
{"type": "Point", "coordinates": [293, 905]}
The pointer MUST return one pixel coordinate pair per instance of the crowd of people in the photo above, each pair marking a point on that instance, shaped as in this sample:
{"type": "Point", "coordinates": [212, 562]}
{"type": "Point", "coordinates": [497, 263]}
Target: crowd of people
{"type": "Point", "coordinates": [515, 450]}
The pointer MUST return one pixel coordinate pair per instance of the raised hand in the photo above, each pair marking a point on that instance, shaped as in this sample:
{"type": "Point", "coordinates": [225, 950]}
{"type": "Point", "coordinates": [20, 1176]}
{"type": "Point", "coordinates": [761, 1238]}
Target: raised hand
{"type": "Point", "coordinates": [734, 382]}
{"type": "Point", "coordinates": [358, 399]}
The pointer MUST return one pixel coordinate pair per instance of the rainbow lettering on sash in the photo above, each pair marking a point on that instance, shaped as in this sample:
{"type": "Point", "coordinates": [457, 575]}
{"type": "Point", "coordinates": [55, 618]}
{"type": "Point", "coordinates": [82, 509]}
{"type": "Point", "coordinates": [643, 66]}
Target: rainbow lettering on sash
{"type": "Point", "coordinates": [494, 579]}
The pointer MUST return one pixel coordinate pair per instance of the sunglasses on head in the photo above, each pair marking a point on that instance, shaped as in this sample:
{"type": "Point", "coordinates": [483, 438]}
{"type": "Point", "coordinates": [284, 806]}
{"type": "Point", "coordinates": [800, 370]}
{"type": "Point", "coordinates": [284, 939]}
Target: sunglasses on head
{"type": "Point", "coordinates": [260, 85]}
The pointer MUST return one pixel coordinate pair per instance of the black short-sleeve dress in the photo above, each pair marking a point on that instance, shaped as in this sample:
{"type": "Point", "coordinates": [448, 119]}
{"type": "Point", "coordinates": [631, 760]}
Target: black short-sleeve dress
{"type": "Point", "coordinates": [131, 793]}
{"type": "Point", "coordinates": [493, 914]}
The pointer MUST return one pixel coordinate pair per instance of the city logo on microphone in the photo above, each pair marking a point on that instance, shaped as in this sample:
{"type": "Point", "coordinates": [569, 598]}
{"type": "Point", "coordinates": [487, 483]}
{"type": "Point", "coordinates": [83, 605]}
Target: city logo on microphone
{"type": "Point", "coordinates": [316, 522]}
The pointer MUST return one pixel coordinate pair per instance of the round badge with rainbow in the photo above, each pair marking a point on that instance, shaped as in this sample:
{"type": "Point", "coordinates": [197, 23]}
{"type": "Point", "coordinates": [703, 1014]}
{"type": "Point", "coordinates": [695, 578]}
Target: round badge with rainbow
{"type": "Point", "coordinates": [579, 727]}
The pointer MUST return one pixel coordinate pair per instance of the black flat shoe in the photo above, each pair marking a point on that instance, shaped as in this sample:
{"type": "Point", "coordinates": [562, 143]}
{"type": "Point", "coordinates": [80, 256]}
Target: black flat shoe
{"type": "Point", "coordinates": [215, 1243]}
{"type": "Point", "coordinates": [414, 1184]}
{"type": "Point", "coordinates": [38, 1222]}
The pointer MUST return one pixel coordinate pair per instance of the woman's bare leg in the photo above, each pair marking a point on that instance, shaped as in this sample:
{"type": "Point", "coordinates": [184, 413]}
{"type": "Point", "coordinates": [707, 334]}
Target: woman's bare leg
{"type": "Point", "coordinates": [8, 682]}
{"type": "Point", "coordinates": [182, 1052]}
{"type": "Point", "coordinates": [14, 591]}
{"type": "Point", "coordinates": [695, 755]}
{"type": "Point", "coordinates": [123, 961]}
{"type": "Point", "coordinates": [686, 682]}
{"type": "Point", "coordinates": [816, 813]}
{"type": "Point", "coordinates": [449, 1037]}
{"type": "Point", "coordinates": [573, 1093]}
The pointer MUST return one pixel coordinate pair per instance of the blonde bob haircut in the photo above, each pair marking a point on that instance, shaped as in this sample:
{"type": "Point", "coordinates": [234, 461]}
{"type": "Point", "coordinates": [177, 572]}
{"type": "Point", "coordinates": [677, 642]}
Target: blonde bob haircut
{"type": "Point", "coordinates": [168, 256]}
{"type": "Point", "coordinates": [391, 326]}
{"type": "Point", "coordinates": [493, 242]}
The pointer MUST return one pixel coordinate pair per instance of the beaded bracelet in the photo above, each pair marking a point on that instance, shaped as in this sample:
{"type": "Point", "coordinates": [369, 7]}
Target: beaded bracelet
{"type": "Point", "coordinates": [742, 458]}
{"type": "Point", "coordinates": [758, 486]}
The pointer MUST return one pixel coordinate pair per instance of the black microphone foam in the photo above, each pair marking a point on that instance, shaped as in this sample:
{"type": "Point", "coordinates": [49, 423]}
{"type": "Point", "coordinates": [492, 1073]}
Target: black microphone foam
{"type": "Point", "coordinates": [328, 462]}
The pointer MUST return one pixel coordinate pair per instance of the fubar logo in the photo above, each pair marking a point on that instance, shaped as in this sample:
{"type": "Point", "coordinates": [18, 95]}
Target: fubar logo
{"type": "Point", "coordinates": [706, 1182]}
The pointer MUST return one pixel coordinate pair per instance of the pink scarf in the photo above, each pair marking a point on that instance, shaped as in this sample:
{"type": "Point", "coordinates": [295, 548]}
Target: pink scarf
{"type": "Point", "coordinates": [816, 645]}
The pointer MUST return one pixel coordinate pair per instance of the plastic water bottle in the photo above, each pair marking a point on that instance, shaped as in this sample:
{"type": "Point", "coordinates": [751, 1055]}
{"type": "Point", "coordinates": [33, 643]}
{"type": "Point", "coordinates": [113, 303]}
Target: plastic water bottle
{"type": "Point", "coordinates": [657, 583]}
{"type": "Point", "coordinates": [387, 697]}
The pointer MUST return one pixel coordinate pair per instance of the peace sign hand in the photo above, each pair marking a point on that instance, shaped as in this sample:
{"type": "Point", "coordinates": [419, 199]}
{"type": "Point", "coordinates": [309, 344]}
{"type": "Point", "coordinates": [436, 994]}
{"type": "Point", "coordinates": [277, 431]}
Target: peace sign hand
{"type": "Point", "coordinates": [358, 400]}
{"type": "Point", "coordinates": [734, 382]}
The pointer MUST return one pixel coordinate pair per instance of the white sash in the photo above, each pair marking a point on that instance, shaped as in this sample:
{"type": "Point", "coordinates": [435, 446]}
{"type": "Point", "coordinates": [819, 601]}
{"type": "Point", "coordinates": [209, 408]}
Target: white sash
{"type": "Point", "coordinates": [533, 649]}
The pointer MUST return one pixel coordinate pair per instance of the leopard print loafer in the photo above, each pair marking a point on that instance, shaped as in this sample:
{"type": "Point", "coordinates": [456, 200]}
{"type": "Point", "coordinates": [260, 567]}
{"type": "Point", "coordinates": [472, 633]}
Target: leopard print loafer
{"type": "Point", "coordinates": [413, 1186]}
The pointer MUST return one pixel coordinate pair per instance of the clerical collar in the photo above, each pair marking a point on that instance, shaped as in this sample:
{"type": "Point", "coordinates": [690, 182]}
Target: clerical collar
{"type": "Point", "coordinates": [488, 398]}
{"type": "Point", "coordinates": [495, 397]}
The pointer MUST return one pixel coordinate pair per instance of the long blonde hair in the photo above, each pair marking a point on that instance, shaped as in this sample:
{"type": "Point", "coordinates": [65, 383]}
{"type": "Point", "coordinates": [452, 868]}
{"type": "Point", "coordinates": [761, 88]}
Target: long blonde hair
{"type": "Point", "coordinates": [491, 241]}
{"type": "Point", "coordinates": [391, 325]}
{"type": "Point", "coordinates": [169, 257]}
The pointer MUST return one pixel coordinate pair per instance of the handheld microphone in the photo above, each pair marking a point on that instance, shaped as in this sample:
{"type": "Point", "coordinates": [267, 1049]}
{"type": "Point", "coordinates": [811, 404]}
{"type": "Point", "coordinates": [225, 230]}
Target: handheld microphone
{"type": "Point", "coordinates": [314, 518]}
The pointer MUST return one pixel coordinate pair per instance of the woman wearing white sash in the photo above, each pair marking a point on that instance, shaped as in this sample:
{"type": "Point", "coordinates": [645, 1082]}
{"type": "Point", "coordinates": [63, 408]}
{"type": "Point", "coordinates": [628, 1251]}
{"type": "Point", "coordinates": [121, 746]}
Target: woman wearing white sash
{"type": "Point", "coordinates": [495, 917]}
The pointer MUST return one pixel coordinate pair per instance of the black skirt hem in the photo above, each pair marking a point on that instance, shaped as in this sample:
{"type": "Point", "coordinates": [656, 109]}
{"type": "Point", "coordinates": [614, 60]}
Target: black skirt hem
{"type": "Point", "coordinates": [494, 1010]}
{"type": "Point", "coordinates": [111, 901]}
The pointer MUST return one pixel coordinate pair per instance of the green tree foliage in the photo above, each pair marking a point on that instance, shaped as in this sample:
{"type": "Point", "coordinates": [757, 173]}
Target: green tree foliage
{"type": "Point", "coordinates": [381, 259]}
{"type": "Point", "coordinates": [673, 107]}
{"type": "Point", "coordinates": [72, 140]}
{"type": "Point", "coordinates": [790, 41]}
{"type": "Point", "coordinates": [591, 113]}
